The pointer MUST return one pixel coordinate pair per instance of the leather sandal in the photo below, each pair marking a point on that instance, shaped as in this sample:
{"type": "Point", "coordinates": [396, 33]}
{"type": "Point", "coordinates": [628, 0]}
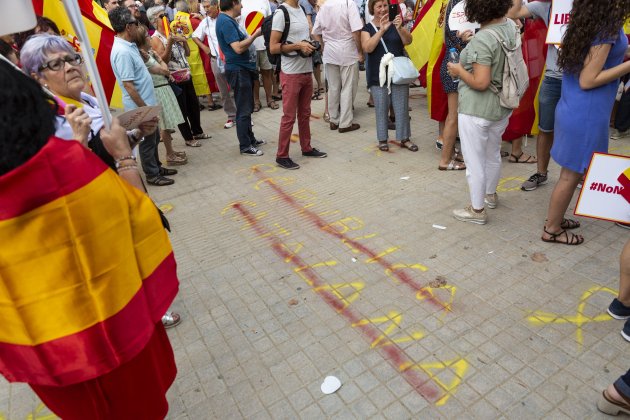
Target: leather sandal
{"type": "Point", "coordinates": [273, 105]}
{"type": "Point", "coordinates": [383, 146]}
{"type": "Point", "coordinates": [409, 145]}
{"type": "Point", "coordinates": [569, 240]}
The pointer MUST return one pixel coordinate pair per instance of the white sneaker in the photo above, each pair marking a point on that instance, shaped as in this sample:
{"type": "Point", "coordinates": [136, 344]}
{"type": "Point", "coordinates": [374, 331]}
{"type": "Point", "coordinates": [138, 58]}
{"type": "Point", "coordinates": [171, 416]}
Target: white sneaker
{"type": "Point", "coordinates": [471, 216]}
{"type": "Point", "coordinates": [229, 124]}
{"type": "Point", "coordinates": [492, 200]}
{"type": "Point", "coordinates": [618, 135]}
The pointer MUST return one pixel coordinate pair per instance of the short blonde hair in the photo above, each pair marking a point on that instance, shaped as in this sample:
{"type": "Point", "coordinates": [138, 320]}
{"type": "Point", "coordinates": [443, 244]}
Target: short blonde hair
{"type": "Point", "coordinates": [372, 3]}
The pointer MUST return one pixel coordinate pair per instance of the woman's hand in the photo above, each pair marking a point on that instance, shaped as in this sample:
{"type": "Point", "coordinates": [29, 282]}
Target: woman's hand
{"type": "Point", "coordinates": [384, 23]}
{"type": "Point", "coordinates": [115, 140]}
{"type": "Point", "coordinates": [176, 38]}
{"type": "Point", "coordinates": [465, 36]}
{"type": "Point", "coordinates": [80, 122]}
{"type": "Point", "coordinates": [397, 22]}
{"type": "Point", "coordinates": [454, 69]}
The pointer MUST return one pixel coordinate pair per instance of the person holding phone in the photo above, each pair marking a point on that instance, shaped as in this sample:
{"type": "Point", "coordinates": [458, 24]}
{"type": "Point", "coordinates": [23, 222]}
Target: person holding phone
{"type": "Point", "coordinates": [386, 29]}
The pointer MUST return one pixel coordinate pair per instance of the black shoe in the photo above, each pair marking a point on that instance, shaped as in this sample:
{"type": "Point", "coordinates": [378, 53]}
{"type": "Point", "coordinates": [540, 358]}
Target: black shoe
{"type": "Point", "coordinates": [160, 181]}
{"type": "Point", "coordinates": [252, 151]}
{"type": "Point", "coordinates": [259, 142]}
{"type": "Point", "coordinates": [287, 163]}
{"type": "Point", "coordinates": [314, 153]}
{"type": "Point", "coordinates": [167, 171]}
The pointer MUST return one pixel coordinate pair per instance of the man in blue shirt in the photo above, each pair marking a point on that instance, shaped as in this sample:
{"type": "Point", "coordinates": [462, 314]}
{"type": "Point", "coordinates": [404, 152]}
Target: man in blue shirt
{"type": "Point", "coordinates": [240, 71]}
{"type": "Point", "coordinates": [137, 88]}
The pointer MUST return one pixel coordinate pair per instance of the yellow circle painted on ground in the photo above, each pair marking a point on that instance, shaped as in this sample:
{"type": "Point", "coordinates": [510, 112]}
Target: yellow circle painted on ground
{"type": "Point", "coordinates": [166, 207]}
{"type": "Point", "coordinates": [512, 183]}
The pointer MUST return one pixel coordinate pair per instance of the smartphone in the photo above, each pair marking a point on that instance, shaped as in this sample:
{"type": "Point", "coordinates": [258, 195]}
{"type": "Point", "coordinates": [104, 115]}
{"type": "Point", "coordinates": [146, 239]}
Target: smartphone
{"type": "Point", "coordinates": [393, 11]}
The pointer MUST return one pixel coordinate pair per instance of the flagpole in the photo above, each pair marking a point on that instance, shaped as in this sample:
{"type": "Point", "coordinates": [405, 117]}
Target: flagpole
{"type": "Point", "coordinates": [74, 14]}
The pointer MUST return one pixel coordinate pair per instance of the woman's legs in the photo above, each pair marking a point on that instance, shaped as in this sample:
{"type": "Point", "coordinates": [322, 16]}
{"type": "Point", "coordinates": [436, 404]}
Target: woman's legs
{"type": "Point", "coordinates": [559, 202]}
{"type": "Point", "coordinates": [400, 103]}
{"type": "Point", "coordinates": [449, 132]}
{"type": "Point", "coordinates": [381, 107]}
{"type": "Point", "coordinates": [518, 156]}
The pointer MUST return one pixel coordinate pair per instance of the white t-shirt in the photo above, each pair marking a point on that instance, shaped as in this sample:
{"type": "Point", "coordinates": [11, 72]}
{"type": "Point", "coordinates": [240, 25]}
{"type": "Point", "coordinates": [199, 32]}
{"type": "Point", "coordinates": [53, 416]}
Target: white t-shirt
{"type": "Point", "coordinates": [298, 31]}
{"type": "Point", "coordinates": [208, 28]}
{"type": "Point", "coordinates": [261, 6]}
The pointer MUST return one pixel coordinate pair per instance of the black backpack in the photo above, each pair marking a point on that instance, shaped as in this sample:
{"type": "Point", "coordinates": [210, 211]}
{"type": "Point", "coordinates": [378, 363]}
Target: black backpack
{"type": "Point", "coordinates": [266, 32]}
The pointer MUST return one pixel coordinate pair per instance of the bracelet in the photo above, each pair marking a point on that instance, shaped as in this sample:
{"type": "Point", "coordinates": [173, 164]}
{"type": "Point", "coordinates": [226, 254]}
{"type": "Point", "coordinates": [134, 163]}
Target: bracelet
{"type": "Point", "coordinates": [127, 168]}
{"type": "Point", "coordinates": [122, 158]}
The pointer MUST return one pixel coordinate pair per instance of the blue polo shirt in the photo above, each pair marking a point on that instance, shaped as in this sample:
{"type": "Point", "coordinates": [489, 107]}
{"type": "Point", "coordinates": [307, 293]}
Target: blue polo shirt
{"type": "Point", "coordinates": [228, 31]}
{"type": "Point", "coordinates": [128, 66]}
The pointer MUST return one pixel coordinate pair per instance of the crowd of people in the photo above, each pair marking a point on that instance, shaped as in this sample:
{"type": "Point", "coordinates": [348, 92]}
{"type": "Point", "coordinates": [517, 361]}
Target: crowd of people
{"type": "Point", "coordinates": [157, 64]}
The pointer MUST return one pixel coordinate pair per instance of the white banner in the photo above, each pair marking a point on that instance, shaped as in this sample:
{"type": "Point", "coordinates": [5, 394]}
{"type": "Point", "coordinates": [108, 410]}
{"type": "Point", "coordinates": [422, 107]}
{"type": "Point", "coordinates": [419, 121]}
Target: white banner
{"type": "Point", "coordinates": [601, 197]}
{"type": "Point", "coordinates": [458, 21]}
{"type": "Point", "coordinates": [558, 20]}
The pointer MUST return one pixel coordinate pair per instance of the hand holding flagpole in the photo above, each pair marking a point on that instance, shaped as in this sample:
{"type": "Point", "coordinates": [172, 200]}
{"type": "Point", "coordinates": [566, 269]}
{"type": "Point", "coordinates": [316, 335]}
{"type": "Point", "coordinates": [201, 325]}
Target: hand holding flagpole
{"type": "Point", "coordinates": [74, 14]}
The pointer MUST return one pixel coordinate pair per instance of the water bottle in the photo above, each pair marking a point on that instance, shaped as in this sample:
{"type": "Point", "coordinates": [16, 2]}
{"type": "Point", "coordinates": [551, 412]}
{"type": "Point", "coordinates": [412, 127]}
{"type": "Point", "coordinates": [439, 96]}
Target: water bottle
{"type": "Point", "coordinates": [453, 57]}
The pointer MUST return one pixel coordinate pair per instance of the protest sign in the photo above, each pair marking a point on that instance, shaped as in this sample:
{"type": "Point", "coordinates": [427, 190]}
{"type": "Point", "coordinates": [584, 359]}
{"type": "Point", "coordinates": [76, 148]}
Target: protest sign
{"type": "Point", "coordinates": [458, 21]}
{"type": "Point", "coordinates": [558, 20]}
{"type": "Point", "coordinates": [602, 195]}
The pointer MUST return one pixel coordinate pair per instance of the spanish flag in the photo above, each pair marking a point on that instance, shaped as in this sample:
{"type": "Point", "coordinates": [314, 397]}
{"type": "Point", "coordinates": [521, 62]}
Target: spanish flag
{"type": "Point", "coordinates": [524, 119]}
{"type": "Point", "coordinates": [624, 180]}
{"type": "Point", "coordinates": [101, 38]}
{"type": "Point", "coordinates": [427, 50]}
{"type": "Point", "coordinates": [86, 268]}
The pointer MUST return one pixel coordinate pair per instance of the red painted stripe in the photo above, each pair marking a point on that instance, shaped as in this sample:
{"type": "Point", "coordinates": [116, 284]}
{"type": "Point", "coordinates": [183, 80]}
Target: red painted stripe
{"type": "Point", "coordinates": [322, 224]}
{"type": "Point", "coordinates": [391, 352]}
{"type": "Point", "coordinates": [100, 348]}
{"type": "Point", "coordinates": [59, 168]}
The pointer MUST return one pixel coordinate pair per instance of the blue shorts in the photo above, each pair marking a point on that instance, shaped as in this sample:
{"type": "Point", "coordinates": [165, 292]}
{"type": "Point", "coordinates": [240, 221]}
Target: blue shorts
{"type": "Point", "coordinates": [548, 98]}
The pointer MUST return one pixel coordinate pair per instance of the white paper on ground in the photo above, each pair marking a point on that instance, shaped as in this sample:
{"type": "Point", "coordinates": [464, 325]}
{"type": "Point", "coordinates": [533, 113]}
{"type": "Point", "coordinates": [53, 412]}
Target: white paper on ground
{"type": "Point", "coordinates": [330, 385]}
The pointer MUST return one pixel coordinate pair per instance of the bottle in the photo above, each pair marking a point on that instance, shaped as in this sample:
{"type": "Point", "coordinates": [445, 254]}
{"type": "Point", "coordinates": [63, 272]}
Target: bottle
{"type": "Point", "coordinates": [453, 57]}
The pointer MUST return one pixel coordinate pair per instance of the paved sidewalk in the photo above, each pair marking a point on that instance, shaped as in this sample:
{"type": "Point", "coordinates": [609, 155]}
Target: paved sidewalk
{"type": "Point", "coordinates": [337, 269]}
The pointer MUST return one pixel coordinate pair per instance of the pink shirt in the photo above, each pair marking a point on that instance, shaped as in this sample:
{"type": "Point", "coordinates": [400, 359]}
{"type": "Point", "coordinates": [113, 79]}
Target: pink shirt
{"type": "Point", "coordinates": [335, 22]}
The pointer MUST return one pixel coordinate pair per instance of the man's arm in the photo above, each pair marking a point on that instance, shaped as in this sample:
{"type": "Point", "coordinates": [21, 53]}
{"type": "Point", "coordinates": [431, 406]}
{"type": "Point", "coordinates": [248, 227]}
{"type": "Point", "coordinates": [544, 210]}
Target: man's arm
{"type": "Point", "coordinates": [240, 47]}
{"type": "Point", "coordinates": [133, 93]}
{"type": "Point", "coordinates": [203, 47]}
{"type": "Point", "coordinates": [277, 48]}
{"type": "Point", "coordinates": [518, 11]}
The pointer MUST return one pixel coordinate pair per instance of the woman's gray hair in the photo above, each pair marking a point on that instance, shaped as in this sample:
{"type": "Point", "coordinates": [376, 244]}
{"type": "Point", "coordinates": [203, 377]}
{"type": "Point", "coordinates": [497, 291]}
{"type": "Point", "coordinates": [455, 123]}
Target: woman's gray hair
{"type": "Point", "coordinates": [36, 49]}
{"type": "Point", "coordinates": [182, 6]}
{"type": "Point", "coordinates": [153, 12]}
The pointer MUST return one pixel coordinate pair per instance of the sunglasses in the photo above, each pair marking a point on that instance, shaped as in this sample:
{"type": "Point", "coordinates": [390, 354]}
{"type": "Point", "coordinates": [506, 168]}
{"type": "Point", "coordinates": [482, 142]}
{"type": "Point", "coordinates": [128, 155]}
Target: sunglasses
{"type": "Point", "coordinates": [59, 63]}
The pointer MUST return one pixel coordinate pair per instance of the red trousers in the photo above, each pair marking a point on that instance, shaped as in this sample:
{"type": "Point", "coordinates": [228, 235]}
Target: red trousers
{"type": "Point", "coordinates": [297, 90]}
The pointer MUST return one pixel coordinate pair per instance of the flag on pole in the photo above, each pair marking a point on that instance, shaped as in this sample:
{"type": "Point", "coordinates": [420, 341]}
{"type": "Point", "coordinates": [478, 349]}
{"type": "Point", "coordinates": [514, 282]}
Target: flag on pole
{"type": "Point", "coordinates": [424, 31]}
{"type": "Point", "coordinates": [100, 34]}
{"type": "Point", "coordinates": [87, 297]}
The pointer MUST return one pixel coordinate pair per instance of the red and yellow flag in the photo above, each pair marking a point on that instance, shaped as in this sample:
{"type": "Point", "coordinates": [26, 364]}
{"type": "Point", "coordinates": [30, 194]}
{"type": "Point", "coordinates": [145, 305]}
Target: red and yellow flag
{"type": "Point", "coordinates": [624, 180]}
{"type": "Point", "coordinates": [524, 119]}
{"type": "Point", "coordinates": [101, 37]}
{"type": "Point", "coordinates": [427, 51]}
{"type": "Point", "coordinates": [87, 273]}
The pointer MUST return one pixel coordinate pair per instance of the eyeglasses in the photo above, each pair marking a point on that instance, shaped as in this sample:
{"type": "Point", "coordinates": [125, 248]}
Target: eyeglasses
{"type": "Point", "coordinates": [133, 22]}
{"type": "Point", "coordinates": [132, 6]}
{"type": "Point", "coordinates": [59, 63]}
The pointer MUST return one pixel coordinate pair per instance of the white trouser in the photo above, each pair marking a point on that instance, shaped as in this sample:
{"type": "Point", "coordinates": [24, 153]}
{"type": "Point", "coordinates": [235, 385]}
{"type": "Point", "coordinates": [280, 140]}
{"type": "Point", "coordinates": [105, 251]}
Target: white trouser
{"type": "Point", "coordinates": [481, 147]}
{"type": "Point", "coordinates": [342, 89]}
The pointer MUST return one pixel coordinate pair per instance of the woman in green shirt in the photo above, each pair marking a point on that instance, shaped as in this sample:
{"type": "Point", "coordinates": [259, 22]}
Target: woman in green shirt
{"type": "Point", "coordinates": [481, 119]}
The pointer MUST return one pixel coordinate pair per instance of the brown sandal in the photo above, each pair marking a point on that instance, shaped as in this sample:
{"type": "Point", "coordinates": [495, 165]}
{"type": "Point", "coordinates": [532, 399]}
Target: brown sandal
{"type": "Point", "coordinates": [409, 145]}
{"type": "Point", "coordinates": [570, 240]}
{"type": "Point", "coordinates": [272, 105]}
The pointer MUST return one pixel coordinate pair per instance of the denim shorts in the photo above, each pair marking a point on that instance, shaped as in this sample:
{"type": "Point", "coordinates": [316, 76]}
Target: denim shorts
{"type": "Point", "coordinates": [548, 98]}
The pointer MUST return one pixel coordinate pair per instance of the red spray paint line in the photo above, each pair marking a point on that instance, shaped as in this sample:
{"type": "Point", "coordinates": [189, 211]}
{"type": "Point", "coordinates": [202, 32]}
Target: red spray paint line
{"type": "Point", "coordinates": [390, 351]}
{"type": "Point", "coordinates": [321, 224]}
